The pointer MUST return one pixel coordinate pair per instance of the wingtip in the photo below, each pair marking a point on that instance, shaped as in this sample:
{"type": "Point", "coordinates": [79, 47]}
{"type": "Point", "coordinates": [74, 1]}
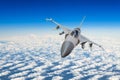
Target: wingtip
{"type": "Point", "coordinates": [48, 19]}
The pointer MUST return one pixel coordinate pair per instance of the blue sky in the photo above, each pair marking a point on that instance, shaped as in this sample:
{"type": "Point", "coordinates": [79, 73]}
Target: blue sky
{"type": "Point", "coordinates": [22, 17]}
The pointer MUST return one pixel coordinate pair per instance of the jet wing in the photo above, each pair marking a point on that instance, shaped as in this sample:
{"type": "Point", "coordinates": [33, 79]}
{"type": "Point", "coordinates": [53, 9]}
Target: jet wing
{"type": "Point", "coordinates": [65, 30]}
{"type": "Point", "coordinates": [83, 39]}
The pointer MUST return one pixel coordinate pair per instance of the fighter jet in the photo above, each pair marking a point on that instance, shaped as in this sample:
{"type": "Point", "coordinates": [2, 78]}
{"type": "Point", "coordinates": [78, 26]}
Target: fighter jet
{"type": "Point", "coordinates": [72, 38]}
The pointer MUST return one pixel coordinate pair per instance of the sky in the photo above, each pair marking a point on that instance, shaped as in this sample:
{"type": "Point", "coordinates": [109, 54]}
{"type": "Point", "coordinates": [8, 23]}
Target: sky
{"type": "Point", "coordinates": [24, 17]}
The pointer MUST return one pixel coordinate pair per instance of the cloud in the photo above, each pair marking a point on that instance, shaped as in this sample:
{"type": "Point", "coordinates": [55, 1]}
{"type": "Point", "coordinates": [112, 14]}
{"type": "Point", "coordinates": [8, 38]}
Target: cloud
{"type": "Point", "coordinates": [4, 73]}
{"type": "Point", "coordinates": [19, 78]}
{"type": "Point", "coordinates": [39, 58]}
{"type": "Point", "coordinates": [20, 74]}
{"type": "Point", "coordinates": [57, 78]}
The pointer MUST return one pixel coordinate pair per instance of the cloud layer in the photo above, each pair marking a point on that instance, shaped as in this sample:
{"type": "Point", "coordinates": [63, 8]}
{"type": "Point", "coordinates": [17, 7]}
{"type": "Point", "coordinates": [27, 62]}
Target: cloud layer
{"type": "Point", "coordinates": [34, 57]}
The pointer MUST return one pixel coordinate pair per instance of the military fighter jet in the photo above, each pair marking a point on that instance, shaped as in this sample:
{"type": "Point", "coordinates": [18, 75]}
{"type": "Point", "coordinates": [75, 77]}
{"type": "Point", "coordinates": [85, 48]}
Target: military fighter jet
{"type": "Point", "coordinates": [72, 38]}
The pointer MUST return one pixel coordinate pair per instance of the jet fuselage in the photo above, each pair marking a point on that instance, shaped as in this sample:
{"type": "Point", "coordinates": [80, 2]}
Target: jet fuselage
{"type": "Point", "coordinates": [71, 41]}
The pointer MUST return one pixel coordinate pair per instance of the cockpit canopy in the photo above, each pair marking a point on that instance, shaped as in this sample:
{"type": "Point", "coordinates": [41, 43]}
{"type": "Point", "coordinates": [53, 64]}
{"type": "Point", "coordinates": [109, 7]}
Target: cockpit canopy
{"type": "Point", "coordinates": [75, 32]}
{"type": "Point", "coordinates": [77, 29]}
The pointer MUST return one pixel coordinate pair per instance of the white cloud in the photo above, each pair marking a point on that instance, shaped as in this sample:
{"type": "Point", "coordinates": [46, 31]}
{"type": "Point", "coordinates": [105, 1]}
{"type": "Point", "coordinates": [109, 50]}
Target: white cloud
{"type": "Point", "coordinates": [32, 75]}
{"type": "Point", "coordinates": [29, 66]}
{"type": "Point", "coordinates": [39, 55]}
{"type": "Point", "coordinates": [3, 73]}
{"type": "Point", "coordinates": [96, 77]}
{"type": "Point", "coordinates": [17, 65]}
{"type": "Point", "coordinates": [6, 65]}
{"type": "Point", "coordinates": [57, 78]}
{"type": "Point", "coordinates": [20, 78]}
{"type": "Point", "coordinates": [20, 74]}
{"type": "Point", "coordinates": [114, 78]}
{"type": "Point", "coordinates": [39, 78]}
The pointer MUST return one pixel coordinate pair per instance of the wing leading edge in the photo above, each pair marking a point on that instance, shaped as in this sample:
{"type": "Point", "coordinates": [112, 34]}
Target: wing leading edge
{"type": "Point", "coordinates": [65, 30]}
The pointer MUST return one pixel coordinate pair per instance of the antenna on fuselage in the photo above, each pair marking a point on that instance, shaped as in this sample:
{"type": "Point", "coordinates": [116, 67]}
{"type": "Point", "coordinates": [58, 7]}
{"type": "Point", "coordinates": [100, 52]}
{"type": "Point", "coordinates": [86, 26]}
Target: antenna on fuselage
{"type": "Point", "coordinates": [82, 22]}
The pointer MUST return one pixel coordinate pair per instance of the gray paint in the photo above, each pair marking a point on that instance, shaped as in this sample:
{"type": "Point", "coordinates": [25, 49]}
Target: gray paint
{"type": "Point", "coordinates": [66, 48]}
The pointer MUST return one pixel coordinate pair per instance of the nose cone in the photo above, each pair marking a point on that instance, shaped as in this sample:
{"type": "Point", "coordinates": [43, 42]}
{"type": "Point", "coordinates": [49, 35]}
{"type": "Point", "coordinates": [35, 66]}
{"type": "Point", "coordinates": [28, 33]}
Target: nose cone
{"type": "Point", "coordinates": [66, 49]}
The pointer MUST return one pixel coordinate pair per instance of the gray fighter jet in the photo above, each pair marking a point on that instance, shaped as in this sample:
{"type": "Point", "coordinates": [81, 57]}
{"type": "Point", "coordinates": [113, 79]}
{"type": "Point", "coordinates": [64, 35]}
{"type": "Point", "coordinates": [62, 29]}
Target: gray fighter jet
{"type": "Point", "coordinates": [72, 38]}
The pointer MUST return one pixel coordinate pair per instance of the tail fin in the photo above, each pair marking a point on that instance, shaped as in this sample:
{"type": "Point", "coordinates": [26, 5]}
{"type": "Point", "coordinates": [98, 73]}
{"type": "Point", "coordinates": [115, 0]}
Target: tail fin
{"type": "Point", "coordinates": [82, 22]}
